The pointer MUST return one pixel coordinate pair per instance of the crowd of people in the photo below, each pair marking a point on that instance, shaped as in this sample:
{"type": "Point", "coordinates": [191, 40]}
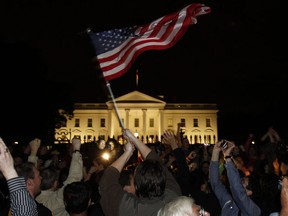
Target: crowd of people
{"type": "Point", "coordinates": [169, 178]}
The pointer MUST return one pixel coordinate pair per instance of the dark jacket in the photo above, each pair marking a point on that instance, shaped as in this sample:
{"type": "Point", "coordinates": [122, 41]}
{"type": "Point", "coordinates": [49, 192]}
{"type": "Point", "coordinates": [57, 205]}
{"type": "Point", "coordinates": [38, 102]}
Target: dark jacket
{"type": "Point", "coordinates": [115, 201]}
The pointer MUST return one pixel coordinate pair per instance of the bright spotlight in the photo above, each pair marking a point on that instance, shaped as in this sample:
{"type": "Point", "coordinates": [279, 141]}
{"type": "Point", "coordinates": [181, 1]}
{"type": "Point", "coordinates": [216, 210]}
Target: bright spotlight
{"type": "Point", "coordinates": [105, 156]}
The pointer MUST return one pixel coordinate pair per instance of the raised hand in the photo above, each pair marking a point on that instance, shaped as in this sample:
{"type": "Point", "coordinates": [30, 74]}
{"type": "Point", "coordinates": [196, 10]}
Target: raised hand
{"type": "Point", "coordinates": [34, 145]}
{"type": "Point", "coordinates": [216, 151]}
{"type": "Point", "coordinates": [6, 162]}
{"type": "Point", "coordinates": [143, 149]}
{"type": "Point", "coordinates": [129, 147]}
{"type": "Point", "coordinates": [228, 148]}
{"type": "Point", "coordinates": [76, 142]}
{"type": "Point", "coordinates": [128, 135]}
{"type": "Point", "coordinates": [217, 147]}
{"type": "Point", "coordinates": [192, 155]}
{"type": "Point", "coordinates": [170, 139]}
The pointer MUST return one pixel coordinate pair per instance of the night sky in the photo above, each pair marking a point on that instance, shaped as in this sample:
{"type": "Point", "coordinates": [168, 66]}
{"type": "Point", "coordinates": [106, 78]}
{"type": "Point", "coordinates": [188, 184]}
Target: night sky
{"type": "Point", "coordinates": [236, 56]}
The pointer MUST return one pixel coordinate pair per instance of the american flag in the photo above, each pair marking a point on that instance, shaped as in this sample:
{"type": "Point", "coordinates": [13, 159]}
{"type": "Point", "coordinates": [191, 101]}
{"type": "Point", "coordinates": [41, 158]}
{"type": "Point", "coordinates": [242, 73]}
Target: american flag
{"type": "Point", "coordinates": [117, 49]}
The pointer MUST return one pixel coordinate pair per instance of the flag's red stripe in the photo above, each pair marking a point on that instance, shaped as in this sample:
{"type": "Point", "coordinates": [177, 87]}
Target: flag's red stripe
{"type": "Point", "coordinates": [170, 28]}
{"type": "Point", "coordinates": [132, 41]}
{"type": "Point", "coordinates": [138, 41]}
{"type": "Point", "coordinates": [138, 52]}
{"type": "Point", "coordinates": [157, 46]}
{"type": "Point", "coordinates": [143, 30]}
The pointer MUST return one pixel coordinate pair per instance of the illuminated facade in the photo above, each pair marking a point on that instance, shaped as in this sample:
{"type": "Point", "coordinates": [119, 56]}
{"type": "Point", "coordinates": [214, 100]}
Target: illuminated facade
{"type": "Point", "coordinates": [144, 115]}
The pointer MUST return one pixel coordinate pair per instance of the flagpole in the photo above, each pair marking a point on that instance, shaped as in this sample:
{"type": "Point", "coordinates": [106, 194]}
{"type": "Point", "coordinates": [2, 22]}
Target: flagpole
{"type": "Point", "coordinates": [115, 106]}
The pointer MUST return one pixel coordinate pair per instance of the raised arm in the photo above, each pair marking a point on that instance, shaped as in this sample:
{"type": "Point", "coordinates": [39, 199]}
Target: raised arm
{"type": "Point", "coordinates": [21, 202]}
{"type": "Point", "coordinates": [243, 201]}
{"type": "Point", "coordinates": [123, 159]}
{"type": "Point", "coordinates": [34, 146]}
{"type": "Point", "coordinates": [143, 149]}
{"type": "Point", "coordinates": [76, 166]}
{"type": "Point", "coordinates": [170, 139]}
{"type": "Point", "coordinates": [272, 134]}
{"type": "Point", "coordinates": [109, 187]}
{"type": "Point", "coordinates": [224, 197]}
{"type": "Point", "coordinates": [183, 176]}
{"type": "Point", "coordinates": [6, 162]}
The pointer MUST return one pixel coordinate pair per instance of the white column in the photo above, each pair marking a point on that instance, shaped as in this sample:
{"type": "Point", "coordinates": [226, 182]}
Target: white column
{"type": "Point", "coordinates": [161, 123]}
{"type": "Point", "coordinates": [127, 118]}
{"type": "Point", "coordinates": [144, 122]}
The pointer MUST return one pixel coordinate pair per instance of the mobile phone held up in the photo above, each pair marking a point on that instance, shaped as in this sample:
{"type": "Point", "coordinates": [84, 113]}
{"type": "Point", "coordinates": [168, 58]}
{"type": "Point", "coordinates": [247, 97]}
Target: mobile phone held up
{"type": "Point", "coordinates": [224, 144]}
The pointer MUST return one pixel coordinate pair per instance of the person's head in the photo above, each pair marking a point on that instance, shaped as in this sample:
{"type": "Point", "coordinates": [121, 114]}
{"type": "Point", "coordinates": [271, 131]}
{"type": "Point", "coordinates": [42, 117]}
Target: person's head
{"type": "Point", "coordinates": [17, 160]}
{"type": "Point", "coordinates": [61, 163]}
{"type": "Point", "coordinates": [253, 151]}
{"type": "Point", "coordinates": [182, 206]}
{"type": "Point", "coordinates": [43, 150]}
{"type": "Point", "coordinates": [205, 167]}
{"type": "Point", "coordinates": [112, 143]}
{"type": "Point", "coordinates": [101, 144]}
{"type": "Point", "coordinates": [239, 162]}
{"type": "Point", "coordinates": [185, 143]}
{"type": "Point", "coordinates": [50, 177]}
{"type": "Point", "coordinates": [77, 197]}
{"type": "Point", "coordinates": [193, 166]}
{"type": "Point", "coordinates": [236, 150]}
{"type": "Point", "coordinates": [150, 179]}
{"type": "Point", "coordinates": [32, 177]}
{"type": "Point", "coordinates": [126, 180]}
{"type": "Point", "coordinates": [111, 146]}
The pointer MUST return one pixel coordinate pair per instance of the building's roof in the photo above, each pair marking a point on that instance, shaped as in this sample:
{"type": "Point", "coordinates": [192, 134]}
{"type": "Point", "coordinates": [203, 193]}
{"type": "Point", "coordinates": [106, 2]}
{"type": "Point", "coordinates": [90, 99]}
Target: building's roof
{"type": "Point", "coordinates": [137, 98]}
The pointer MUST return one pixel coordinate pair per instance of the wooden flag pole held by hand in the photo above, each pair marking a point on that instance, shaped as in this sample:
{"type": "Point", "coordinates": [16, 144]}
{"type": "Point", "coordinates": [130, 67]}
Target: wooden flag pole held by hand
{"type": "Point", "coordinates": [114, 103]}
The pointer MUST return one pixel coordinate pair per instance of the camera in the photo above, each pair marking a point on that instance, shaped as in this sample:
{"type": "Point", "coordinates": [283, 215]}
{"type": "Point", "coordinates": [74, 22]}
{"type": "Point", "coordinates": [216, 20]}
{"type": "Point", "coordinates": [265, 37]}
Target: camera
{"type": "Point", "coordinates": [224, 144]}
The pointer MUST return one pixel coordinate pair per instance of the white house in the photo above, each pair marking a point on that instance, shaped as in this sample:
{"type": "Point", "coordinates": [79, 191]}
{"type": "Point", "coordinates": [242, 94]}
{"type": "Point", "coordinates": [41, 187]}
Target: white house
{"type": "Point", "coordinates": [146, 116]}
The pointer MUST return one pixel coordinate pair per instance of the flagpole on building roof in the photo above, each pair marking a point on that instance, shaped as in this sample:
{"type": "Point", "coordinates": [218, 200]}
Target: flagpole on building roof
{"type": "Point", "coordinates": [114, 103]}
